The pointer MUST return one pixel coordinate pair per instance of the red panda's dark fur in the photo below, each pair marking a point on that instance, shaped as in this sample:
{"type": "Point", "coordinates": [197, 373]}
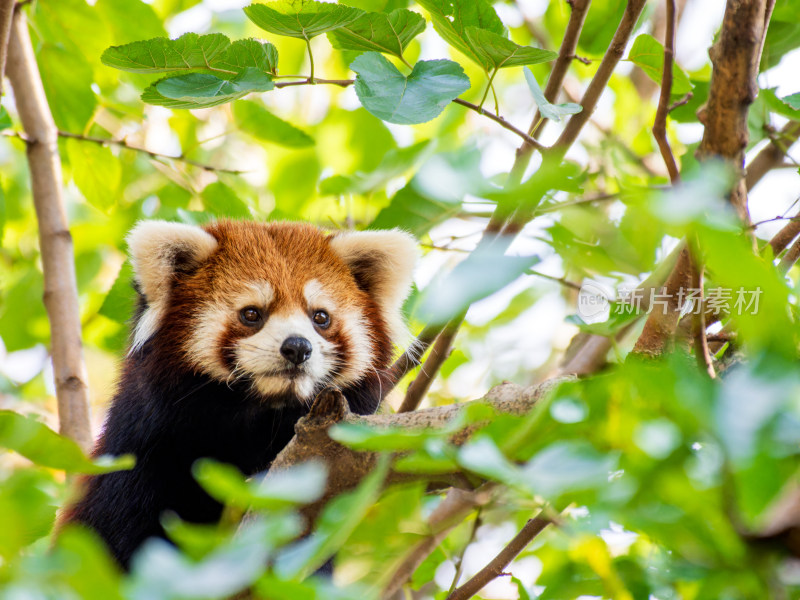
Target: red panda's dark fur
{"type": "Point", "coordinates": [168, 415]}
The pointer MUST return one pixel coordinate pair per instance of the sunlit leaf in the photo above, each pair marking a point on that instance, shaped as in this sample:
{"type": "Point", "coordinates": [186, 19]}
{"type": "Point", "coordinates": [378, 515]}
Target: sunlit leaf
{"type": "Point", "coordinates": [211, 53]}
{"type": "Point", "coordinates": [792, 100]}
{"type": "Point", "coordinates": [496, 51]}
{"type": "Point", "coordinates": [303, 19]}
{"type": "Point", "coordinates": [485, 271]}
{"type": "Point", "coordinates": [259, 122]}
{"type": "Point", "coordinates": [379, 32]}
{"type": "Point", "coordinates": [95, 171]}
{"type": "Point", "coordinates": [43, 446]}
{"type": "Point", "coordinates": [648, 54]}
{"type": "Point", "coordinates": [221, 200]}
{"type": "Point", "coordinates": [417, 98]}
{"type": "Point", "coordinates": [452, 17]}
{"type": "Point", "coordinates": [300, 485]}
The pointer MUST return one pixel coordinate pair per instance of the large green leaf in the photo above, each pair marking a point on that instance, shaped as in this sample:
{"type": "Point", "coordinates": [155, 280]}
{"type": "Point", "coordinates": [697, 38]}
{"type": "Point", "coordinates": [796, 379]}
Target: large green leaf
{"type": "Point", "coordinates": [43, 446]}
{"type": "Point", "coordinates": [391, 96]}
{"type": "Point", "coordinates": [259, 122]}
{"type": "Point", "coordinates": [485, 271]}
{"type": "Point", "coordinates": [119, 303]}
{"type": "Point", "coordinates": [452, 17]}
{"type": "Point", "coordinates": [496, 51]}
{"type": "Point", "coordinates": [96, 172]}
{"type": "Point", "coordinates": [648, 54]}
{"type": "Point", "coordinates": [222, 201]}
{"type": "Point", "coordinates": [414, 212]}
{"type": "Point", "coordinates": [379, 32]}
{"type": "Point", "coordinates": [201, 90]}
{"type": "Point", "coordinates": [212, 53]}
{"type": "Point", "coordinates": [302, 19]}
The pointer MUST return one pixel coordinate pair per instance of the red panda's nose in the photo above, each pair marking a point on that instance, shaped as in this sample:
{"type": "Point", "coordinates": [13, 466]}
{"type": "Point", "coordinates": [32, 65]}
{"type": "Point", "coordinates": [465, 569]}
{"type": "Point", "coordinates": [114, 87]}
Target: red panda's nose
{"type": "Point", "coordinates": [296, 349]}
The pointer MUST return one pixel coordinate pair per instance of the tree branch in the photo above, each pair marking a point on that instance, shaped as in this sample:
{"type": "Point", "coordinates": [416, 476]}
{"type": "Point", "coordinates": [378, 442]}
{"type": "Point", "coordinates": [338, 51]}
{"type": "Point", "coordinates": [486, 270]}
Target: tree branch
{"type": "Point", "coordinates": [439, 353]}
{"type": "Point", "coordinates": [660, 124]}
{"type": "Point", "coordinates": [498, 119]}
{"type": "Point", "coordinates": [6, 18]}
{"type": "Point", "coordinates": [455, 507]}
{"type": "Point", "coordinates": [784, 237]}
{"type": "Point", "coordinates": [735, 61]}
{"type": "Point", "coordinates": [566, 54]}
{"type": "Point", "coordinates": [771, 156]}
{"type": "Point", "coordinates": [60, 288]}
{"type": "Point", "coordinates": [498, 564]}
{"type": "Point", "coordinates": [600, 80]}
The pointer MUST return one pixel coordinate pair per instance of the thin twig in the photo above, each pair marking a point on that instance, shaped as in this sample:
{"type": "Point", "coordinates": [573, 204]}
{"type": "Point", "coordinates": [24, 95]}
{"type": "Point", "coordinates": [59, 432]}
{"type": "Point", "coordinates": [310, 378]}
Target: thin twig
{"type": "Point", "coordinates": [498, 564]}
{"type": "Point", "coordinates": [771, 156]}
{"type": "Point", "coordinates": [498, 119]}
{"type": "Point", "coordinates": [455, 507]}
{"type": "Point", "coordinates": [460, 563]}
{"type": "Point", "coordinates": [317, 81]}
{"type": "Point", "coordinates": [439, 353]}
{"type": "Point", "coordinates": [660, 124]}
{"type": "Point", "coordinates": [701, 352]}
{"type": "Point", "coordinates": [6, 18]}
{"type": "Point", "coordinates": [150, 153]}
{"type": "Point", "coordinates": [55, 241]}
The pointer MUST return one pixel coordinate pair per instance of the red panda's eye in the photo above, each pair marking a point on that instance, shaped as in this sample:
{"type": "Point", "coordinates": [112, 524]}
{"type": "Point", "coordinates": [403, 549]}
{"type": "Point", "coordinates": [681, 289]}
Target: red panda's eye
{"type": "Point", "coordinates": [321, 319]}
{"type": "Point", "coordinates": [250, 316]}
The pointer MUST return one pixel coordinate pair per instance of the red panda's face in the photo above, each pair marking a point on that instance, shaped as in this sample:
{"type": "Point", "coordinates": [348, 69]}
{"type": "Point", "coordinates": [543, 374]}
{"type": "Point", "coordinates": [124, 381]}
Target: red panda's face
{"type": "Point", "coordinates": [283, 307]}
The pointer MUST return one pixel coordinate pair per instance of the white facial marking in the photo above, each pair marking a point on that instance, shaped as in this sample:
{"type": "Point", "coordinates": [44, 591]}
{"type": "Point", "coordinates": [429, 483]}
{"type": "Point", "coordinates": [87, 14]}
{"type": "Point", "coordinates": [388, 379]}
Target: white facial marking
{"type": "Point", "coordinates": [215, 319]}
{"type": "Point", "coordinates": [260, 357]}
{"type": "Point", "coordinates": [354, 326]}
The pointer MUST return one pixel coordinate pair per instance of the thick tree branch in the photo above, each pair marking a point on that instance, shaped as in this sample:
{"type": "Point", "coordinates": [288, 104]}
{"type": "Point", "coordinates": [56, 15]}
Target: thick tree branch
{"type": "Point", "coordinates": [495, 568]}
{"type": "Point", "coordinates": [659, 329]}
{"type": "Point", "coordinates": [60, 288]}
{"type": "Point", "coordinates": [735, 60]}
{"type": "Point", "coordinates": [6, 19]}
{"type": "Point", "coordinates": [785, 236]}
{"type": "Point", "coordinates": [660, 124]}
{"type": "Point", "coordinates": [771, 156]}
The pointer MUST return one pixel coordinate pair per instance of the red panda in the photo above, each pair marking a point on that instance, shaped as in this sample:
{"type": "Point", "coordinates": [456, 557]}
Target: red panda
{"type": "Point", "coordinates": [239, 325]}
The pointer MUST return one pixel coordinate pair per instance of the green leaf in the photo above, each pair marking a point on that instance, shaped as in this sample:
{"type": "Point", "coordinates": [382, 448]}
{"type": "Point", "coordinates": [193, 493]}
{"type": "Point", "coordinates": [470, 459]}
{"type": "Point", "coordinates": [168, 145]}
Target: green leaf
{"type": "Point", "coordinates": [414, 212]}
{"type": "Point", "coordinates": [496, 51]}
{"type": "Point", "coordinates": [256, 120]}
{"type": "Point", "coordinates": [301, 484]}
{"type": "Point", "coordinates": [391, 96]}
{"type": "Point", "coordinates": [302, 19]}
{"type": "Point", "coordinates": [792, 100]}
{"type": "Point", "coordinates": [43, 446]}
{"type": "Point", "coordinates": [554, 112]}
{"type": "Point", "coordinates": [452, 17]}
{"type": "Point", "coordinates": [5, 118]}
{"type": "Point", "coordinates": [201, 90]}
{"type": "Point", "coordinates": [648, 54]}
{"type": "Point", "coordinates": [379, 32]}
{"type": "Point", "coordinates": [212, 53]}
{"type": "Point", "coordinates": [221, 200]}
{"type": "Point", "coordinates": [160, 572]}
{"type": "Point", "coordinates": [67, 80]}
{"type": "Point", "coordinates": [120, 300]}
{"type": "Point", "coordinates": [96, 172]}
{"type": "Point", "coordinates": [567, 466]}
{"type": "Point", "coordinates": [334, 526]}
{"type": "Point", "coordinates": [28, 509]}
{"type": "Point", "coordinates": [485, 271]}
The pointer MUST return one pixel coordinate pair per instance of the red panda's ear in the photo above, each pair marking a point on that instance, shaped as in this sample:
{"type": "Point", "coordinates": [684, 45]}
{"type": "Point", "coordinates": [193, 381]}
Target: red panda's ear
{"type": "Point", "coordinates": [159, 249]}
{"type": "Point", "coordinates": [382, 263]}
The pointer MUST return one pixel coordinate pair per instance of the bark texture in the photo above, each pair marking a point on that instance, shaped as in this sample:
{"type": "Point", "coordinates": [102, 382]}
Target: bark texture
{"type": "Point", "coordinates": [55, 240]}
